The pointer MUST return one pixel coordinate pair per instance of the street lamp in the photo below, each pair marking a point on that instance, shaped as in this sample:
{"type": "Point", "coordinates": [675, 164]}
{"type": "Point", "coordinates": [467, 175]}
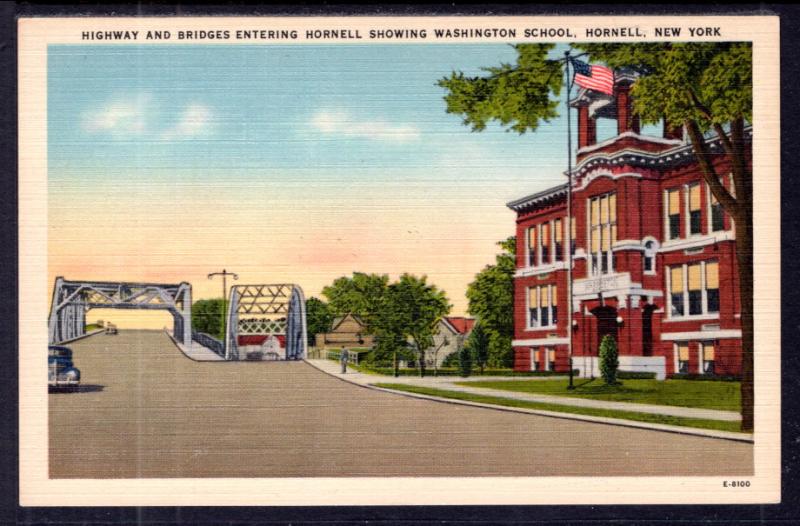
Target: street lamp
{"type": "Point", "coordinates": [224, 275]}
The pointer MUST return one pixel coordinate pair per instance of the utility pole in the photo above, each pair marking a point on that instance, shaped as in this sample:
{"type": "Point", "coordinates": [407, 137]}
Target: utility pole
{"type": "Point", "coordinates": [224, 275]}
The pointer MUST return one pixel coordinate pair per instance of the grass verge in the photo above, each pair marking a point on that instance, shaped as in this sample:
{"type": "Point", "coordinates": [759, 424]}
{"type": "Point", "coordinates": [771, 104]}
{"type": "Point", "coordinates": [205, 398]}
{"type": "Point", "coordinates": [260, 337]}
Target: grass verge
{"type": "Point", "coordinates": [722, 396]}
{"type": "Point", "coordinates": [718, 425]}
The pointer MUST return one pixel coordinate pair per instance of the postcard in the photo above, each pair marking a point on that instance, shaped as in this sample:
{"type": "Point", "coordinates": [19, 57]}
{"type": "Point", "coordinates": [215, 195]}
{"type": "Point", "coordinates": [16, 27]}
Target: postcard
{"type": "Point", "coordinates": [399, 260]}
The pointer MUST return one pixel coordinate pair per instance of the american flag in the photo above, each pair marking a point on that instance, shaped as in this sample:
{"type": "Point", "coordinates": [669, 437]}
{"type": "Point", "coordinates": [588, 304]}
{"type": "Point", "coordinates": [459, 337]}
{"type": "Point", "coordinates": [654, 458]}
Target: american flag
{"type": "Point", "coordinates": [597, 78]}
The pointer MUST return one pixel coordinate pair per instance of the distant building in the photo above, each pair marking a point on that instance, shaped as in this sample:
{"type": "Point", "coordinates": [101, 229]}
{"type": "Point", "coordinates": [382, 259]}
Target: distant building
{"type": "Point", "coordinates": [450, 337]}
{"type": "Point", "coordinates": [653, 255]}
{"type": "Point", "coordinates": [346, 331]}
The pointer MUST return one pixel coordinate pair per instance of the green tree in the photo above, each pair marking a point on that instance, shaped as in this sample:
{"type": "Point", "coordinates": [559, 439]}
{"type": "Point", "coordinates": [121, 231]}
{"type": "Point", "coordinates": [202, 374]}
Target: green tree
{"type": "Point", "coordinates": [491, 300]}
{"type": "Point", "coordinates": [361, 295]}
{"type": "Point", "coordinates": [409, 312]}
{"type": "Point", "coordinates": [609, 359]}
{"type": "Point", "coordinates": [465, 361]}
{"type": "Point", "coordinates": [479, 343]}
{"type": "Point", "coordinates": [318, 318]}
{"type": "Point", "coordinates": [702, 86]}
{"type": "Point", "coordinates": [207, 317]}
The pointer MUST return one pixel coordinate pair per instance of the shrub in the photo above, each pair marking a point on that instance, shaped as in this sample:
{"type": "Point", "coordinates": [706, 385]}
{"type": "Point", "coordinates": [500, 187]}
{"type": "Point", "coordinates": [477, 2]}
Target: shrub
{"type": "Point", "coordinates": [465, 361]}
{"type": "Point", "coordinates": [635, 375]}
{"type": "Point", "coordinates": [451, 360]}
{"type": "Point", "coordinates": [609, 359]}
{"type": "Point", "coordinates": [704, 377]}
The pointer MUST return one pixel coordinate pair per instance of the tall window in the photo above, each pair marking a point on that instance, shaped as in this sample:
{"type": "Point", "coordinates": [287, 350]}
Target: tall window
{"type": "Point", "coordinates": [695, 223]}
{"type": "Point", "coordinates": [694, 289]}
{"type": "Point", "coordinates": [674, 213]}
{"type": "Point", "coordinates": [537, 359]}
{"type": "Point", "coordinates": [716, 212]}
{"type": "Point", "coordinates": [553, 305]}
{"type": "Point", "coordinates": [544, 306]}
{"type": "Point", "coordinates": [558, 235]}
{"type": "Point", "coordinates": [712, 286]}
{"type": "Point", "coordinates": [683, 357]}
{"type": "Point", "coordinates": [532, 246]}
{"type": "Point", "coordinates": [707, 357]}
{"type": "Point", "coordinates": [649, 257]}
{"type": "Point", "coordinates": [574, 239]}
{"type": "Point", "coordinates": [542, 310]}
{"type": "Point", "coordinates": [676, 291]}
{"type": "Point", "coordinates": [533, 307]}
{"type": "Point", "coordinates": [545, 241]}
{"type": "Point", "coordinates": [602, 232]}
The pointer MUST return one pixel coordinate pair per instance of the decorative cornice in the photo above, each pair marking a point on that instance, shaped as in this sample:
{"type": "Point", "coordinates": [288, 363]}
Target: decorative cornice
{"type": "Point", "coordinates": [602, 172]}
{"type": "Point", "coordinates": [673, 157]}
{"type": "Point", "coordinates": [681, 154]}
{"type": "Point", "coordinates": [529, 201]}
{"type": "Point", "coordinates": [632, 135]}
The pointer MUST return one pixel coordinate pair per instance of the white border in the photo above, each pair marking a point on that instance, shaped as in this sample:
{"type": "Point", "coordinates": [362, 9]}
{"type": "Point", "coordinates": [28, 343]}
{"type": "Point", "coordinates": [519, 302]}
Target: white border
{"type": "Point", "coordinates": [37, 490]}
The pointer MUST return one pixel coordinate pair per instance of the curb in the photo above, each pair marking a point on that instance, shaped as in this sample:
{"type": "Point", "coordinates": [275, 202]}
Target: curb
{"type": "Point", "coordinates": [664, 428]}
{"type": "Point", "coordinates": [96, 331]}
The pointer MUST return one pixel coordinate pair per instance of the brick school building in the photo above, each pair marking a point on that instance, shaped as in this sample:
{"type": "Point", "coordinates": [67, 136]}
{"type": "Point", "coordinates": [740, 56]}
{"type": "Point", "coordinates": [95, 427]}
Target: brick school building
{"type": "Point", "coordinates": [654, 262]}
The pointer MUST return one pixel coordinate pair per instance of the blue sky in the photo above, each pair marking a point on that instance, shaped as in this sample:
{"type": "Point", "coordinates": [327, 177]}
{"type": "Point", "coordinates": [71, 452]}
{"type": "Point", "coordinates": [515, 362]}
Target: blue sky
{"type": "Point", "coordinates": [329, 159]}
{"type": "Point", "coordinates": [341, 109]}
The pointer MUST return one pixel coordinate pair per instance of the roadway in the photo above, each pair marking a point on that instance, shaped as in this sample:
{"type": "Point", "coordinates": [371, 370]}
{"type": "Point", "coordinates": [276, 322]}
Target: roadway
{"type": "Point", "coordinates": [146, 410]}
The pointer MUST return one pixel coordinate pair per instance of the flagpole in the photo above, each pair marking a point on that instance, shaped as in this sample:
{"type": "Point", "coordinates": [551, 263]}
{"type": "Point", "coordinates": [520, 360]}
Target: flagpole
{"type": "Point", "coordinates": [569, 221]}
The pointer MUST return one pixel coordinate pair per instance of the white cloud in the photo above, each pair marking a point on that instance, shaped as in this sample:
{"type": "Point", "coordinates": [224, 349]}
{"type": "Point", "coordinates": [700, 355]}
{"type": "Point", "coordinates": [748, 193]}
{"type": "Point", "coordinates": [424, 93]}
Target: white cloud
{"type": "Point", "coordinates": [344, 124]}
{"type": "Point", "coordinates": [119, 118]}
{"type": "Point", "coordinates": [138, 117]}
{"type": "Point", "coordinates": [195, 120]}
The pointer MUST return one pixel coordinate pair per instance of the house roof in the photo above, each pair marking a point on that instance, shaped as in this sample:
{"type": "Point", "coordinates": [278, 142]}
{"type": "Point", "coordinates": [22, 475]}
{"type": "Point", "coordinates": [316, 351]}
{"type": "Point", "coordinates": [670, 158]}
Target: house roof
{"type": "Point", "coordinates": [460, 324]}
{"type": "Point", "coordinates": [339, 319]}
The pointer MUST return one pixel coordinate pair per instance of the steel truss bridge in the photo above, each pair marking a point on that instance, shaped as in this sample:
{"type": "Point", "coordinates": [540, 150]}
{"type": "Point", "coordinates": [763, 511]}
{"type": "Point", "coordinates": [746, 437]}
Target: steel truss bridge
{"type": "Point", "coordinates": [73, 299]}
{"type": "Point", "coordinates": [267, 310]}
{"type": "Point", "coordinates": [253, 310]}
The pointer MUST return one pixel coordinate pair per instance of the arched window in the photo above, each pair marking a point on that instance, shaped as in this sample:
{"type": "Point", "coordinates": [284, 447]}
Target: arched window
{"type": "Point", "coordinates": [649, 256]}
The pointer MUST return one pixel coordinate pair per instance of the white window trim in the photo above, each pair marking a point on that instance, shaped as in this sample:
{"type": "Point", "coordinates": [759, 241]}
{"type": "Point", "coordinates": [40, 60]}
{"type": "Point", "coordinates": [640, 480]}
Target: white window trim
{"type": "Point", "coordinates": [697, 241]}
{"type": "Point", "coordinates": [551, 263]}
{"type": "Point", "coordinates": [720, 334]}
{"type": "Point", "coordinates": [687, 200]}
{"type": "Point", "coordinates": [540, 341]}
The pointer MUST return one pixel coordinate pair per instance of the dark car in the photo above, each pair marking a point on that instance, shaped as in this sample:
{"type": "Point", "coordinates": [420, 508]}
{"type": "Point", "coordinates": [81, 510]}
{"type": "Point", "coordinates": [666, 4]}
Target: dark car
{"type": "Point", "coordinates": [61, 372]}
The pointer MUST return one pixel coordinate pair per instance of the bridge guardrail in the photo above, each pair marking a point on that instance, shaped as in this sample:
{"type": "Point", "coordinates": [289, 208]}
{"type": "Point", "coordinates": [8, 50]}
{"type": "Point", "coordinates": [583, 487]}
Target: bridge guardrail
{"type": "Point", "coordinates": [206, 340]}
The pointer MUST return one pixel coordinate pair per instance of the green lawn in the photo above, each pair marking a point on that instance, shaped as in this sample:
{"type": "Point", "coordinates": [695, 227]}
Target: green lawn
{"type": "Point", "coordinates": [718, 425]}
{"type": "Point", "coordinates": [685, 393]}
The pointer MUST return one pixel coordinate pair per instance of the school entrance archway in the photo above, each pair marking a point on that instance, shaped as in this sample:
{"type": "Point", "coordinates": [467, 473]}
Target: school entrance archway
{"type": "Point", "coordinates": [73, 299]}
{"type": "Point", "coordinates": [606, 325]}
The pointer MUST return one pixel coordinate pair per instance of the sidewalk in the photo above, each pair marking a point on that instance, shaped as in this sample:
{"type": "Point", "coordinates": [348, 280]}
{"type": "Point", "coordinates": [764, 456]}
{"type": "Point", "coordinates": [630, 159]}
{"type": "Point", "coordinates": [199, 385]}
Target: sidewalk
{"type": "Point", "coordinates": [195, 351]}
{"type": "Point", "coordinates": [448, 383]}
